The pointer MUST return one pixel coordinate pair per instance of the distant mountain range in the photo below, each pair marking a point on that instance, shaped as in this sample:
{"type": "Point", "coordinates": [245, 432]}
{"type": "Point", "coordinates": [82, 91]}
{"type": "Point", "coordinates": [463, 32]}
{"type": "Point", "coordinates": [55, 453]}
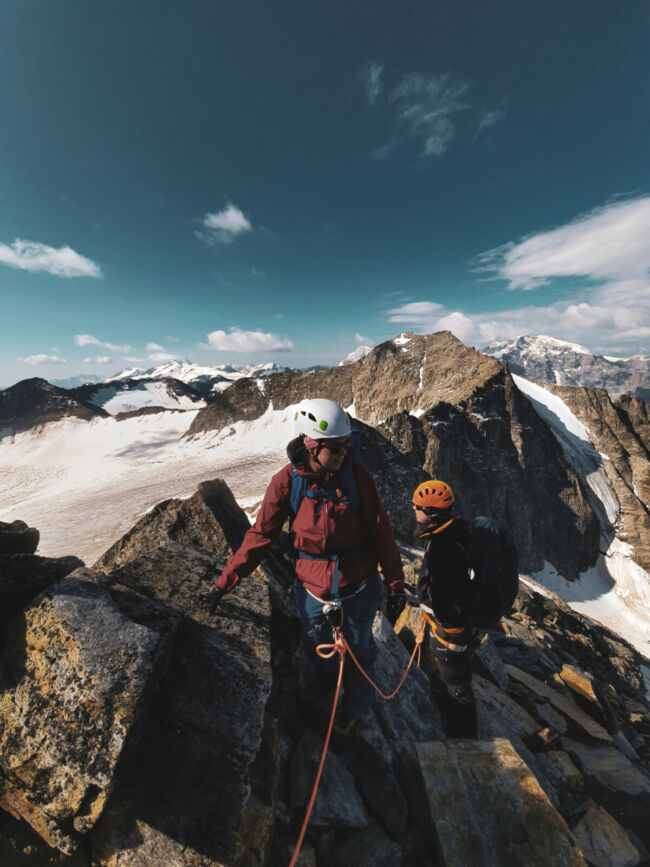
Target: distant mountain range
{"type": "Point", "coordinates": [546, 359]}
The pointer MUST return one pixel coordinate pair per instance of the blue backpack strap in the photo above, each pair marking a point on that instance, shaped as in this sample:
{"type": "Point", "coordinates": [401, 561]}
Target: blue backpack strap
{"type": "Point", "coordinates": [349, 483]}
{"type": "Point", "coordinates": [298, 490]}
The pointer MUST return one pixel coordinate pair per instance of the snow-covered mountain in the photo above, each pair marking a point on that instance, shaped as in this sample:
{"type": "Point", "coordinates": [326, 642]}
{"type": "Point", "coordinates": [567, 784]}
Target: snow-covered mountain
{"type": "Point", "coordinates": [206, 380]}
{"type": "Point", "coordinates": [557, 362]}
{"type": "Point", "coordinates": [355, 355]}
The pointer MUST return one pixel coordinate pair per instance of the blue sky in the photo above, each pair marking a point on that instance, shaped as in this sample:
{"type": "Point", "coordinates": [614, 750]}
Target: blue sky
{"type": "Point", "coordinates": [252, 180]}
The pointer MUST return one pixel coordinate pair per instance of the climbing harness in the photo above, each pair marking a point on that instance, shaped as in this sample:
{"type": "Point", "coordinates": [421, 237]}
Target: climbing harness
{"type": "Point", "coordinates": [457, 648]}
{"type": "Point", "coordinates": [327, 651]}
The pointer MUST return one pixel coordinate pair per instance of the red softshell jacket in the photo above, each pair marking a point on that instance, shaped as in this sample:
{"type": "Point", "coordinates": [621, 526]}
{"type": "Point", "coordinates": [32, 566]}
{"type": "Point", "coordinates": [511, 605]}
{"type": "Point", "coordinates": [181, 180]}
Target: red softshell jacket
{"type": "Point", "coordinates": [364, 538]}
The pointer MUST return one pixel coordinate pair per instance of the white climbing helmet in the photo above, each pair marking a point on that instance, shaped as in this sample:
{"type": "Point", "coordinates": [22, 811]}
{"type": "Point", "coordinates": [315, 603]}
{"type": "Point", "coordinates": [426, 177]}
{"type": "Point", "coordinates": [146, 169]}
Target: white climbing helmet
{"type": "Point", "coordinates": [321, 419]}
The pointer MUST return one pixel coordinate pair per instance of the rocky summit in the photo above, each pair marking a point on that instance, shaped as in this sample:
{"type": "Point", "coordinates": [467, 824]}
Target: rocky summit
{"type": "Point", "coordinates": [137, 728]}
{"type": "Point", "coordinates": [34, 402]}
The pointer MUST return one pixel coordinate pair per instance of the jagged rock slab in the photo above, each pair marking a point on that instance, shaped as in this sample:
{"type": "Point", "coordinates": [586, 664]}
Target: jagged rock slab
{"type": "Point", "coordinates": [515, 824]}
{"type": "Point", "coordinates": [76, 669]}
{"type": "Point", "coordinates": [210, 520]}
{"type": "Point", "coordinates": [24, 576]}
{"type": "Point", "coordinates": [579, 682]}
{"type": "Point", "coordinates": [187, 796]}
{"type": "Point", "coordinates": [20, 846]}
{"type": "Point", "coordinates": [18, 538]}
{"type": "Point", "coordinates": [621, 787]}
{"type": "Point", "coordinates": [603, 841]}
{"type": "Point", "coordinates": [337, 803]}
{"type": "Point", "coordinates": [412, 707]}
{"type": "Point", "coordinates": [568, 707]}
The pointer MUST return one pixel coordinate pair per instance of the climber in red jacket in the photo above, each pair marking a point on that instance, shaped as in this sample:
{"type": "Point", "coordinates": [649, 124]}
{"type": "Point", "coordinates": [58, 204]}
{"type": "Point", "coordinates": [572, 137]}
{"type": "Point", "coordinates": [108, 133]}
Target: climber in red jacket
{"type": "Point", "coordinates": [339, 535]}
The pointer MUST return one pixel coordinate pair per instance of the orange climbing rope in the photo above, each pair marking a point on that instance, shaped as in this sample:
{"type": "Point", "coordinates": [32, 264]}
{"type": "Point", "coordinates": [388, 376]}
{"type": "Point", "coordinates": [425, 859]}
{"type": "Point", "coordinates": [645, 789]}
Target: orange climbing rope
{"type": "Point", "coordinates": [327, 651]}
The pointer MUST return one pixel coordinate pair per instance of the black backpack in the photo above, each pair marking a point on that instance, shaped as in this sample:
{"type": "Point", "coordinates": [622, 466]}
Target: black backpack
{"type": "Point", "coordinates": [492, 560]}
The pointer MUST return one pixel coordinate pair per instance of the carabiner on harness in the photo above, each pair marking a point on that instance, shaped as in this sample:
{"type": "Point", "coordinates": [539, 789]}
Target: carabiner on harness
{"type": "Point", "coordinates": [333, 612]}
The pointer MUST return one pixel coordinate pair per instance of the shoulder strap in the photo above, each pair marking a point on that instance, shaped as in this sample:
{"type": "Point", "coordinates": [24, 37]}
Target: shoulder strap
{"type": "Point", "coordinates": [298, 490]}
{"type": "Point", "coordinates": [348, 479]}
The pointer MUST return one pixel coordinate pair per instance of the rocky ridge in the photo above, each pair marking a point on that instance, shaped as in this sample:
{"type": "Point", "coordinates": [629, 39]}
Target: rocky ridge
{"type": "Point", "coordinates": [136, 728]}
{"type": "Point", "coordinates": [453, 413]}
{"type": "Point", "coordinates": [33, 402]}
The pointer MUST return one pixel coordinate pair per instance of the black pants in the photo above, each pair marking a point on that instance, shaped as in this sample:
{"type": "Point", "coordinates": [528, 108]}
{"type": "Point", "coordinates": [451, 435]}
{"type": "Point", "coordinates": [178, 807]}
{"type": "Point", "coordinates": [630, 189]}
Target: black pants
{"type": "Point", "coordinates": [458, 706]}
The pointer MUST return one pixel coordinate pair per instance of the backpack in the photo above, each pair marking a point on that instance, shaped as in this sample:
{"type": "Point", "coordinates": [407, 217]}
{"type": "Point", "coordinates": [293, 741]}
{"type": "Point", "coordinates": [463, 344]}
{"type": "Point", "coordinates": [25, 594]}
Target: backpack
{"type": "Point", "coordinates": [492, 560]}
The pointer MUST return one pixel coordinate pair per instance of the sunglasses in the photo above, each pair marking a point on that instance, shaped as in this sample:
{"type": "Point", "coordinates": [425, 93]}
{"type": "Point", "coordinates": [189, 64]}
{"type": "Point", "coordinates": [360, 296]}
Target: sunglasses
{"type": "Point", "coordinates": [337, 448]}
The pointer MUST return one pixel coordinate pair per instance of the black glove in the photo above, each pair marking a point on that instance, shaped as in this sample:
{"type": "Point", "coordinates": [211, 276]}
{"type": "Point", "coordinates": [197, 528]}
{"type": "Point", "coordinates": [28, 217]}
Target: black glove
{"type": "Point", "coordinates": [395, 604]}
{"type": "Point", "coordinates": [212, 597]}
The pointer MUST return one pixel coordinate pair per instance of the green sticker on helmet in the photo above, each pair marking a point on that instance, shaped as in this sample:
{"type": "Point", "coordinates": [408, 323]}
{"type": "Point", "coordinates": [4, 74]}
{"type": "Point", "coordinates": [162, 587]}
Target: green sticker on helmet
{"type": "Point", "coordinates": [322, 425]}
{"type": "Point", "coordinates": [295, 418]}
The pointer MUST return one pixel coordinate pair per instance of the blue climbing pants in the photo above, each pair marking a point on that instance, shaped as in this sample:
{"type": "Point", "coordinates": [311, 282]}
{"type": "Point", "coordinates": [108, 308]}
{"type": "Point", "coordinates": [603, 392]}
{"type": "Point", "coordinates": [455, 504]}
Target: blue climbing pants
{"type": "Point", "coordinates": [359, 611]}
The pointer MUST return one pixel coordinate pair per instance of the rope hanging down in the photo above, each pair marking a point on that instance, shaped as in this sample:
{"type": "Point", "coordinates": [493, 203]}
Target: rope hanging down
{"type": "Point", "coordinates": [327, 651]}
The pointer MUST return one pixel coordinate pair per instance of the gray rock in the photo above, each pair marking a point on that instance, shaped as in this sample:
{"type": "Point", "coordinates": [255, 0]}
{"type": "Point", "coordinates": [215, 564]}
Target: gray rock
{"type": "Point", "coordinates": [373, 764]}
{"type": "Point", "coordinates": [550, 717]}
{"type": "Point", "coordinates": [515, 825]}
{"type": "Point", "coordinates": [411, 709]}
{"type": "Point", "coordinates": [24, 576]}
{"type": "Point", "coordinates": [210, 521]}
{"type": "Point", "coordinates": [609, 766]}
{"type": "Point", "coordinates": [337, 802]}
{"type": "Point", "coordinates": [18, 538]}
{"type": "Point", "coordinates": [78, 670]}
{"type": "Point", "coordinates": [602, 840]}
{"type": "Point", "coordinates": [367, 848]}
{"type": "Point", "coordinates": [200, 748]}
{"type": "Point", "coordinates": [487, 657]}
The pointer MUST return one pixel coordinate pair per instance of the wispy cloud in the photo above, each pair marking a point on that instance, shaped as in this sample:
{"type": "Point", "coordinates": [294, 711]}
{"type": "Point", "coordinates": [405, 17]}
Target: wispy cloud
{"type": "Point", "coordinates": [171, 338]}
{"type": "Point", "coordinates": [43, 359]}
{"type": "Point", "coordinates": [34, 256]}
{"type": "Point", "coordinates": [366, 341]}
{"type": "Point", "coordinates": [608, 243]}
{"type": "Point", "coordinates": [369, 78]}
{"type": "Point", "coordinates": [225, 226]}
{"type": "Point", "coordinates": [425, 109]}
{"type": "Point", "coordinates": [237, 340]}
{"type": "Point", "coordinates": [89, 340]}
{"type": "Point", "coordinates": [155, 347]}
{"type": "Point", "coordinates": [133, 359]}
{"type": "Point", "coordinates": [99, 359]}
{"type": "Point", "coordinates": [608, 248]}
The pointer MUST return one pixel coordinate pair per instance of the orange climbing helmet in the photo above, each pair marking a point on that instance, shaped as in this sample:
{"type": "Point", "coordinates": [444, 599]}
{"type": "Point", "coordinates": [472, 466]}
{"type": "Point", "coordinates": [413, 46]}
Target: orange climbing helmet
{"type": "Point", "coordinates": [433, 494]}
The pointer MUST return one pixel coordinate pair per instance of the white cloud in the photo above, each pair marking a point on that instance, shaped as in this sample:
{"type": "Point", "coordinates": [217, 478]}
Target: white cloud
{"type": "Point", "coordinates": [99, 359]}
{"type": "Point", "coordinates": [425, 109]}
{"type": "Point", "coordinates": [225, 226]}
{"type": "Point", "coordinates": [366, 341]}
{"type": "Point", "coordinates": [609, 243]}
{"type": "Point", "coordinates": [171, 338]}
{"type": "Point", "coordinates": [34, 256]}
{"type": "Point", "coordinates": [43, 359]}
{"type": "Point", "coordinates": [161, 357]}
{"type": "Point", "coordinates": [155, 347]}
{"type": "Point", "coordinates": [369, 78]}
{"type": "Point", "coordinates": [248, 341]}
{"type": "Point", "coordinates": [89, 340]}
{"type": "Point", "coordinates": [133, 359]}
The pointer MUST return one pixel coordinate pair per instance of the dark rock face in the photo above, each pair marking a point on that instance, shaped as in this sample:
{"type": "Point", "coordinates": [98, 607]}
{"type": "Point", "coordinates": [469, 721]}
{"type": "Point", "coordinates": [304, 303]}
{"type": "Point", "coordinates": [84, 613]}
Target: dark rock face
{"type": "Point", "coordinates": [34, 402]}
{"type": "Point", "coordinates": [556, 362]}
{"type": "Point", "coordinates": [621, 434]}
{"type": "Point", "coordinates": [24, 576]}
{"type": "Point", "coordinates": [451, 413]}
{"type": "Point", "coordinates": [18, 538]}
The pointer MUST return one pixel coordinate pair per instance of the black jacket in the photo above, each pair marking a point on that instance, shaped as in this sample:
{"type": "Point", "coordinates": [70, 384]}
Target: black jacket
{"type": "Point", "coordinates": [444, 583]}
